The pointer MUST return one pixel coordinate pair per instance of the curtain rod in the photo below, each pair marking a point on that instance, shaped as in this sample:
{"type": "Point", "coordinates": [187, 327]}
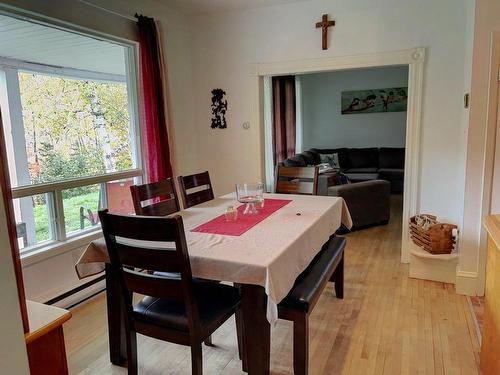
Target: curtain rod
{"type": "Point", "coordinates": [108, 10]}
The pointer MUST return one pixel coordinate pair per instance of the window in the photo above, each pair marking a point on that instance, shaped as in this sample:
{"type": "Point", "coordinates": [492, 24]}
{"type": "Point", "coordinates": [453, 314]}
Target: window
{"type": "Point", "coordinates": [71, 143]}
{"type": "Point", "coordinates": [73, 127]}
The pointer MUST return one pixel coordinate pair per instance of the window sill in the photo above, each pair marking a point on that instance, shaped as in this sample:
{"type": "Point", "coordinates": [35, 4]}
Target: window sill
{"type": "Point", "coordinates": [58, 248]}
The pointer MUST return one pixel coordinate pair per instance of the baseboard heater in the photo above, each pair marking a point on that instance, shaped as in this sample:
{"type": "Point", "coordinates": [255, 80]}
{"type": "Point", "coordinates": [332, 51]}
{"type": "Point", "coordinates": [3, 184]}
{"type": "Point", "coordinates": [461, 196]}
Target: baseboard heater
{"type": "Point", "coordinates": [78, 289]}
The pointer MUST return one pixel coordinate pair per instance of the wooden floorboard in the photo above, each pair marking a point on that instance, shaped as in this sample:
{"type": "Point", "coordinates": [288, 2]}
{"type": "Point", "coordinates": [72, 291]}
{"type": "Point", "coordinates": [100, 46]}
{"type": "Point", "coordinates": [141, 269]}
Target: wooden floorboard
{"type": "Point", "coordinates": [387, 324]}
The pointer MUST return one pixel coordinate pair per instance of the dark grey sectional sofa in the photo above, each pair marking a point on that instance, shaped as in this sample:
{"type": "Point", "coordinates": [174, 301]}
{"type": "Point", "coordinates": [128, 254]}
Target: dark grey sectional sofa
{"type": "Point", "coordinates": [360, 164]}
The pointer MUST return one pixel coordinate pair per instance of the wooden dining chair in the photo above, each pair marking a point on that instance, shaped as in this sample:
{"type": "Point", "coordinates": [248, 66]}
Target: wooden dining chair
{"type": "Point", "coordinates": [184, 310]}
{"type": "Point", "coordinates": [195, 189]}
{"type": "Point", "coordinates": [297, 180]}
{"type": "Point", "coordinates": [163, 191]}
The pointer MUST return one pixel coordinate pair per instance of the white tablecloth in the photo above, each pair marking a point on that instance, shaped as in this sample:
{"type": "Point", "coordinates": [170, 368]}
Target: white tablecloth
{"type": "Point", "coordinates": [271, 254]}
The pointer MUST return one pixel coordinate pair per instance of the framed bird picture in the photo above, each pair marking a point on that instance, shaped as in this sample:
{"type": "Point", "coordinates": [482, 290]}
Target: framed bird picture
{"type": "Point", "coordinates": [394, 99]}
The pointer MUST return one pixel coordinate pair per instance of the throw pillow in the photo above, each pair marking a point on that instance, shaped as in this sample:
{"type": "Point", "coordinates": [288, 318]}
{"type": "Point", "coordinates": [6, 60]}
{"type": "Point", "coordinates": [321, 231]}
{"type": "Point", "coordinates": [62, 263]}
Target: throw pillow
{"type": "Point", "coordinates": [332, 159]}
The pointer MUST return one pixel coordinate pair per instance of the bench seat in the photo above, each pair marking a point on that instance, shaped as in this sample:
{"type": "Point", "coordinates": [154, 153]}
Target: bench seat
{"type": "Point", "coordinates": [328, 265]}
{"type": "Point", "coordinates": [310, 283]}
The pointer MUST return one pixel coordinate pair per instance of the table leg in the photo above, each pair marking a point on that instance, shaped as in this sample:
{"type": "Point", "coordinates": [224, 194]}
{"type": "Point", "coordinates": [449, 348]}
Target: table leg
{"type": "Point", "coordinates": [257, 330]}
{"type": "Point", "coordinates": [116, 323]}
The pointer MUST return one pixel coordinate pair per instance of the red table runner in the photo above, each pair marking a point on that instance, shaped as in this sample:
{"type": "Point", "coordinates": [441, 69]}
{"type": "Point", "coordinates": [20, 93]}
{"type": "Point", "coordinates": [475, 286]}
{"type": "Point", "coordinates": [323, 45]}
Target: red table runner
{"type": "Point", "coordinates": [243, 223]}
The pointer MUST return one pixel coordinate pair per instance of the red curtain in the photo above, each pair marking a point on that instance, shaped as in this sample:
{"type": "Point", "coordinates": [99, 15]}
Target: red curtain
{"type": "Point", "coordinates": [154, 134]}
{"type": "Point", "coordinates": [283, 117]}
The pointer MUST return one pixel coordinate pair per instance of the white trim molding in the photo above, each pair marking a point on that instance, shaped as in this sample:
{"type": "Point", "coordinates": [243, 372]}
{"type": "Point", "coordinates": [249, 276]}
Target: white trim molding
{"type": "Point", "coordinates": [48, 187]}
{"type": "Point", "coordinates": [415, 60]}
{"type": "Point", "coordinates": [268, 133]}
{"type": "Point", "coordinates": [404, 57]}
{"type": "Point", "coordinates": [61, 71]}
{"type": "Point", "coordinates": [467, 283]}
{"type": "Point", "coordinates": [491, 143]}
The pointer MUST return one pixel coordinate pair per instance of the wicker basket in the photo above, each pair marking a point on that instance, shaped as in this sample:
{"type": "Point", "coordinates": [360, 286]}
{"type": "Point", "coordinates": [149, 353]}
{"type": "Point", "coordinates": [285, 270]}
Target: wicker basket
{"type": "Point", "coordinates": [437, 239]}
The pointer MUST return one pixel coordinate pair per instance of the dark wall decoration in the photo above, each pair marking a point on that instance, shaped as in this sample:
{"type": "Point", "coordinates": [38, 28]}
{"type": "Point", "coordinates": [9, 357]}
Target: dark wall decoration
{"type": "Point", "coordinates": [219, 108]}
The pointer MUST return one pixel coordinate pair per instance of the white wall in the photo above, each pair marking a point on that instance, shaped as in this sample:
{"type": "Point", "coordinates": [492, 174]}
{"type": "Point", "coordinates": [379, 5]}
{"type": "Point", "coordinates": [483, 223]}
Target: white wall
{"type": "Point", "coordinates": [324, 126]}
{"type": "Point", "coordinates": [13, 357]}
{"type": "Point", "coordinates": [224, 45]}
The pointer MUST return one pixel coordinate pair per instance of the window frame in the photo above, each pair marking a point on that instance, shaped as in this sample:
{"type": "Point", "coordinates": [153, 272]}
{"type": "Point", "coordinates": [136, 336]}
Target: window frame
{"type": "Point", "coordinates": [56, 189]}
{"type": "Point", "coordinates": [61, 239]}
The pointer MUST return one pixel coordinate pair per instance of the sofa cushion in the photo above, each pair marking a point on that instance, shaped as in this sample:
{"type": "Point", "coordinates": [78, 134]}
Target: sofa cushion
{"type": "Point", "coordinates": [356, 177]}
{"type": "Point", "coordinates": [361, 170]}
{"type": "Point", "coordinates": [391, 173]}
{"type": "Point", "coordinates": [363, 157]}
{"type": "Point", "coordinates": [342, 153]}
{"type": "Point", "coordinates": [391, 157]}
{"type": "Point", "coordinates": [332, 159]}
{"type": "Point", "coordinates": [295, 161]}
{"type": "Point", "coordinates": [311, 158]}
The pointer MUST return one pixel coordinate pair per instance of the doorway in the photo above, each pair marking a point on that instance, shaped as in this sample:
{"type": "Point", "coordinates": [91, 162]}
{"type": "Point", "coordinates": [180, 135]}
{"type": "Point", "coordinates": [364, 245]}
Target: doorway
{"type": "Point", "coordinates": [413, 59]}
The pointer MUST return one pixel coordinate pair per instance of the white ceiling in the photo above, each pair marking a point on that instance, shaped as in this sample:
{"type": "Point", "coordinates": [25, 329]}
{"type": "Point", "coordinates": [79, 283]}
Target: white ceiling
{"type": "Point", "coordinates": [193, 7]}
{"type": "Point", "coordinates": [31, 42]}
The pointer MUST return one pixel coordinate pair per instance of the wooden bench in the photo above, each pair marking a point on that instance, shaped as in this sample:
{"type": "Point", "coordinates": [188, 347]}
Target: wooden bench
{"type": "Point", "coordinates": [328, 265]}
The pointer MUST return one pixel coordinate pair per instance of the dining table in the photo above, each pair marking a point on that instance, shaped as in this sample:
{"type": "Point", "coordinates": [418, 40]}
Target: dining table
{"type": "Point", "coordinates": [263, 255]}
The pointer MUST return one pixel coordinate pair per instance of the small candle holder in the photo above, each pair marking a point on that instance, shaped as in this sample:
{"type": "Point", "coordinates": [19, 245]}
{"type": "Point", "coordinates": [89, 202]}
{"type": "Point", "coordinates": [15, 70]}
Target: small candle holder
{"type": "Point", "coordinates": [260, 203]}
{"type": "Point", "coordinates": [231, 213]}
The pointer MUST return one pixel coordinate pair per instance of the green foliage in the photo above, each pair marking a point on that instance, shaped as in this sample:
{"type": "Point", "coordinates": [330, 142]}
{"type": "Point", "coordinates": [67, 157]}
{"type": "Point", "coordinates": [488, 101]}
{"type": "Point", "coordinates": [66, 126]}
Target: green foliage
{"type": "Point", "coordinates": [71, 213]}
{"type": "Point", "coordinates": [61, 120]}
{"type": "Point", "coordinates": [72, 208]}
{"type": "Point", "coordinates": [55, 166]}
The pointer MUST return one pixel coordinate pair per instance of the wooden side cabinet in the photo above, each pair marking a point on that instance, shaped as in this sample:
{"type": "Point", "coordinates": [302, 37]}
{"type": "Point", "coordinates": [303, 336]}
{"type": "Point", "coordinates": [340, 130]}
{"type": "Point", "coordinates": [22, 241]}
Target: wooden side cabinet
{"type": "Point", "coordinates": [45, 339]}
{"type": "Point", "coordinates": [490, 360]}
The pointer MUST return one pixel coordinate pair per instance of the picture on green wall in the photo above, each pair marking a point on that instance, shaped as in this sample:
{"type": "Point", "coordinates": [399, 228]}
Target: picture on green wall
{"type": "Point", "coordinates": [376, 100]}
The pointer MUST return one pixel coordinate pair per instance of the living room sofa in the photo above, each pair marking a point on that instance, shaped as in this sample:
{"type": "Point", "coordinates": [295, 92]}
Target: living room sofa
{"type": "Point", "coordinates": [359, 164]}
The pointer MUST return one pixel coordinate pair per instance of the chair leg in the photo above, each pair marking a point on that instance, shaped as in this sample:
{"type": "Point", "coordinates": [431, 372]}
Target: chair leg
{"type": "Point", "coordinates": [338, 279]}
{"type": "Point", "coordinates": [208, 341]}
{"type": "Point", "coordinates": [197, 359]}
{"type": "Point", "coordinates": [241, 339]}
{"type": "Point", "coordinates": [132, 352]}
{"type": "Point", "coordinates": [301, 344]}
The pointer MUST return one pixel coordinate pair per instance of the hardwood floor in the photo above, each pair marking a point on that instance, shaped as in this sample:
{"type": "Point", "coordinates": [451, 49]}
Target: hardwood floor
{"type": "Point", "coordinates": [387, 324]}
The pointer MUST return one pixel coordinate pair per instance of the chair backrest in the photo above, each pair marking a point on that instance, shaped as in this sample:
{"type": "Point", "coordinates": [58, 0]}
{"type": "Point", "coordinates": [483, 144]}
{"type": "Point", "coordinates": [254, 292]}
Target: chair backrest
{"type": "Point", "coordinates": [297, 180]}
{"type": "Point", "coordinates": [163, 195]}
{"type": "Point", "coordinates": [195, 189]}
{"type": "Point", "coordinates": [133, 245]}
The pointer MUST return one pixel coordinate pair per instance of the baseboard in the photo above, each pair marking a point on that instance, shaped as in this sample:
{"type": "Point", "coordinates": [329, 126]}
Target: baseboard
{"type": "Point", "coordinates": [466, 283]}
{"type": "Point", "coordinates": [479, 335]}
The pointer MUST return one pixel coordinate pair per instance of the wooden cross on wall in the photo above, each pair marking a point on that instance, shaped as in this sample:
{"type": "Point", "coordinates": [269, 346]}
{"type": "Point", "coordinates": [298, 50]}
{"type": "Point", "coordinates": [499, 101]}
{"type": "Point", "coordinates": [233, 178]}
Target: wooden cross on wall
{"type": "Point", "coordinates": [324, 24]}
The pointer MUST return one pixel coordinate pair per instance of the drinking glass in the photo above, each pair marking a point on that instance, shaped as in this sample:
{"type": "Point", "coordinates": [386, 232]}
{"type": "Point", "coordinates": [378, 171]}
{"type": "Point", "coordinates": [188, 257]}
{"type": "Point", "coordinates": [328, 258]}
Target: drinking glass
{"type": "Point", "coordinates": [250, 194]}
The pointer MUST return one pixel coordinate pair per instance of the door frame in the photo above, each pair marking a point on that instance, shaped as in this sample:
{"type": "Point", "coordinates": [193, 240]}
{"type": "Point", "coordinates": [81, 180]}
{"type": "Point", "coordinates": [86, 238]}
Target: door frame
{"type": "Point", "coordinates": [492, 145]}
{"type": "Point", "coordinates": [415, 60]}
